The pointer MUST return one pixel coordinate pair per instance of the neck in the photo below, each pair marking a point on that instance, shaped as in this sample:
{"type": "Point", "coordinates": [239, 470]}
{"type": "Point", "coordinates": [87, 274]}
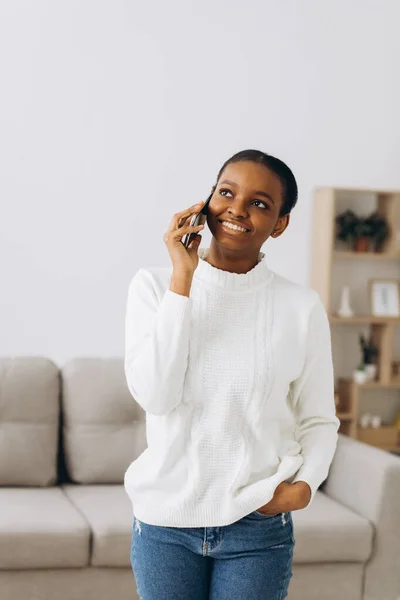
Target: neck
{"type": "Point", "coordinates": [231, 281]}
{"type": "Point", "coordinates": [231, 260]}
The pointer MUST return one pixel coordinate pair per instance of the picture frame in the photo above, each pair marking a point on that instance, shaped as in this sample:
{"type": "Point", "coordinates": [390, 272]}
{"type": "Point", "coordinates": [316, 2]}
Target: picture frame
{"type": "Point", "coordinates": [384, 297]}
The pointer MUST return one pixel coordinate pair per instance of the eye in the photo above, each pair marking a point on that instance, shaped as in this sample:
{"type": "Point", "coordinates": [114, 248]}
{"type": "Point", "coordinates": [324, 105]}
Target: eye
{"type": "Point", "coordinates": [266, 205]}
{"type": "Point", "coordinates": [229, 191]}
{"type": "Point", "coordinates": [224, 190]}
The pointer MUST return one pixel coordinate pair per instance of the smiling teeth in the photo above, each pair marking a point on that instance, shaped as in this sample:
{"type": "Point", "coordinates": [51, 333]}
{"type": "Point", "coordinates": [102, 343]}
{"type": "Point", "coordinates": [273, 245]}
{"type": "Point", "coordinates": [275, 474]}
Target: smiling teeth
{"type": "Point", "coordinates": [233, 226]}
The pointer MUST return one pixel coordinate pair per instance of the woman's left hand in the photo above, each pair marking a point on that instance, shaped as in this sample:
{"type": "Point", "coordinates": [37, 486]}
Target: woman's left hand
{"type": "Point", "coordinates": [288, 497]}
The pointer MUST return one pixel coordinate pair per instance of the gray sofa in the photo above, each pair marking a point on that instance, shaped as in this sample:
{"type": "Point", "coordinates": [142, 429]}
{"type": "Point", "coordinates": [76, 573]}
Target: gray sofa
{"type": "Point", "coordinates": [68, 434]}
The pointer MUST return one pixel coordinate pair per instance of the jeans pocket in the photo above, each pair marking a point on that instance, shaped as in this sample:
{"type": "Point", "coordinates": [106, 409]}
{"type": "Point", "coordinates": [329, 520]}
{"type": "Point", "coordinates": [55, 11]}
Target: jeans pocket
{"type": "Point", "coordinates": [265, 516]}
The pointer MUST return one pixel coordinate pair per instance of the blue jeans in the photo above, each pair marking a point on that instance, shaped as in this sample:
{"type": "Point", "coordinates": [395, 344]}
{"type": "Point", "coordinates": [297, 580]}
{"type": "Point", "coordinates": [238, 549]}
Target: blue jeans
{"type": "Point", "coordinates": [250, 559]}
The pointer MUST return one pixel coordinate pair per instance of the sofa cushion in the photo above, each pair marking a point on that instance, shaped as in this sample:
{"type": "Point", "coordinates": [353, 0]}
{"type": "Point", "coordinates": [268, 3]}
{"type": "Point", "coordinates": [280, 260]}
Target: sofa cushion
{"type": "Point", "coordinates": [108, 510]}
{"type": "Point", "coordinates": [324, 532]}
{"type": "Point", "coordinates": [104, 429]}
{"type": "Point", "coordinates": [327, 531]}
{"type": "Point", "coordinates": [41, 529]}
{"type": "Point", "coordinates": [29, 409]}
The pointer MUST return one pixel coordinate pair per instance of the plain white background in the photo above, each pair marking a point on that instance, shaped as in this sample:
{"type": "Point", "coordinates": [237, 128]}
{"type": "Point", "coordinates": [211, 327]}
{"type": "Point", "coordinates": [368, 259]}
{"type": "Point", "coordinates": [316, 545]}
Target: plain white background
{"type": "Point", "coordinates": [115, 115]}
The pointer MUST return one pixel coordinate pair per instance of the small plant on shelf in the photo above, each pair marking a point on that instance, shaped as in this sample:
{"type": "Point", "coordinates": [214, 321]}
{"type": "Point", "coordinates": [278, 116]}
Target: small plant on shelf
{"type": "Point", "coordinates": [367, 368]}
{"type": "Point", "coordinates": [362, 232]}
{"type": "Point", "coordinates": [368, 349]}
{"type": "Point", "coordinates": [369, 352]}
{"type": "Point", "coordinates": [359, 374]}
{"type": "Point", "coordinates": [380, 229]}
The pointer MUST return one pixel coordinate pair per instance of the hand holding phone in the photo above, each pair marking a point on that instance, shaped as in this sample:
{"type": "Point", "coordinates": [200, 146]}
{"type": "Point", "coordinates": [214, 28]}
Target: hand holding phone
{"type": "Point", "coordinates": [182, 238]}
{"type": "Point", "coordinates": [197, 219]}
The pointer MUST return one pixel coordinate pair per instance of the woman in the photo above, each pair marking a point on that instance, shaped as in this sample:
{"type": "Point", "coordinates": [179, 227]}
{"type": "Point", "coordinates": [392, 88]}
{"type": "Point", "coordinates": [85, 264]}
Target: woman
{"type": "Point", "coordinates": [232, 364]}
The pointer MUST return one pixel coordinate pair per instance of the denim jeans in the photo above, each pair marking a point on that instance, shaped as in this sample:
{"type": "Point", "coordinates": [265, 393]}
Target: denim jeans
{"type": "Point", "coordinates": [250, 559]}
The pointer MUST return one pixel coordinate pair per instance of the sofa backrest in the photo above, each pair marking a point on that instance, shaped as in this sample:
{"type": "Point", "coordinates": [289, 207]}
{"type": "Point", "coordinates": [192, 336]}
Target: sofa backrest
{"type": "Point", "coordinates": [104, 429]}
{"type": "Point", "coordinates": [29, 421]}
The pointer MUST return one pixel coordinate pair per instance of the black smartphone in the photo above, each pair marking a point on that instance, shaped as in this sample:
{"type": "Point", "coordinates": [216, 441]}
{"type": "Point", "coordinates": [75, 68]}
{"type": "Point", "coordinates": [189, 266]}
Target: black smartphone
{"type": "Point", "coordinates": [197, 219]}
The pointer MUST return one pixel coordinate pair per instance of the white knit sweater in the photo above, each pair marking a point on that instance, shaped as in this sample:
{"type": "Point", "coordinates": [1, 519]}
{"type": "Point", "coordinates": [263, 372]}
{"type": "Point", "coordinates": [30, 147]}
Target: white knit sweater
{"type": "Point", "coordinates": [237, 384]}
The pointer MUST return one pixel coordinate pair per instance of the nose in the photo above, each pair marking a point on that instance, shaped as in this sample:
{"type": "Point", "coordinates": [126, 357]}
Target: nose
{"type": "Point", "coordinates": [238, 210]}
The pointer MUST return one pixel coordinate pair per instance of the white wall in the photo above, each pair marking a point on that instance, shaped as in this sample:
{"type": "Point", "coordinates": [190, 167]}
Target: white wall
{"type": "Point", "coordinates": [115, 115]}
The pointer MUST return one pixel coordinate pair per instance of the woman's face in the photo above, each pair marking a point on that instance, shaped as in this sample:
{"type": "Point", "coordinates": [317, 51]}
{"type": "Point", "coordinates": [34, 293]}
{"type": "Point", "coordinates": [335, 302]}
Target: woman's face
{"type": "Point", "coordinates": [250, 195]}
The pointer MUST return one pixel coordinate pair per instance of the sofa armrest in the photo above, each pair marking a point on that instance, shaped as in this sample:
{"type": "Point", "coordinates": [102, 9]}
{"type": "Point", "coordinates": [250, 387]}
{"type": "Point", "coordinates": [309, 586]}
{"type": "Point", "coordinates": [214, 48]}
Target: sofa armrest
{"type": "Point", "coordinates": [367, 480]}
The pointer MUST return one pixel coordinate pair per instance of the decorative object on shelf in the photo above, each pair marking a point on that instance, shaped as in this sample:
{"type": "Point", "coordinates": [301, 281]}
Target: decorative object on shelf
{"type": "Point", "coordinates": [362, 233]}
{"type": "Point", "coordinates": [369, 354]}
{"type": "Point", "coordinates": [365, 420]}
{"type": "Point", "coordinates": [359, 375]}
{"type": "Point", "coordinates": [376, 421]}
{"type": "Point", "coordinates": [395, 371]}
{"type": "Point", "coordinates": [371, 371]}
{"type": "Point", "coordinates": [368, 420]}
{"type": "Point", "coordinates": [345, 309]}
{"type": "Point", "coordinates": [384, 297]}
{"type": "Point", "coordinates": [379, 228]}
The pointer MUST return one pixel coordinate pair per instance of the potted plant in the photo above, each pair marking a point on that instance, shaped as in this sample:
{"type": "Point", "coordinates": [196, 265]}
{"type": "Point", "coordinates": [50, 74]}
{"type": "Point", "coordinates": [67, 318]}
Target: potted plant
{"type": "Point", "coordinates": [369, 354]}
{"type": "Point", "coordinates": [360, 231]}
{"type": "Point", "coordinates": [346, 224]}
{"type": "Point", "coordinates": [360, 375]}
{"type": "Point", "coordinates": [363, 234]}
{"type": "Point", "coordinates": [379, 228]}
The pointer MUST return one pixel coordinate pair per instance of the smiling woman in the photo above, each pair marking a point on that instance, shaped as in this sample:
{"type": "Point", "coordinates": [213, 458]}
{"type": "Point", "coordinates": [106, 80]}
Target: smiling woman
{"type": "Point", "coordinates": [232, 364]}
{"type": "Point", "coordinates": [254, 192]}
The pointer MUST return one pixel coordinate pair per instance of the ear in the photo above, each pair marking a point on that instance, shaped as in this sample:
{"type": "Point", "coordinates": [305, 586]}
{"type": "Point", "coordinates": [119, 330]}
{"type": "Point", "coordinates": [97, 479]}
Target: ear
{"type": "Point", "coordinates": [281, 225]}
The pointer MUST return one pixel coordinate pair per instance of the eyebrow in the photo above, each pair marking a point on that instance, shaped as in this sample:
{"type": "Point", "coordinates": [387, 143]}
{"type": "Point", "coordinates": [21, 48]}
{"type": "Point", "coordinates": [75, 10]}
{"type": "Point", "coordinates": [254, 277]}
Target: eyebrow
{"type": "Point", "coordinates": [259, 192]}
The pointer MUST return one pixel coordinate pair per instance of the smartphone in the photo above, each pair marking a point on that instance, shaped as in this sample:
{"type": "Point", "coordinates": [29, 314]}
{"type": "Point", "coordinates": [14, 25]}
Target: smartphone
{"type": "Point", "coordinates": [197, 219]}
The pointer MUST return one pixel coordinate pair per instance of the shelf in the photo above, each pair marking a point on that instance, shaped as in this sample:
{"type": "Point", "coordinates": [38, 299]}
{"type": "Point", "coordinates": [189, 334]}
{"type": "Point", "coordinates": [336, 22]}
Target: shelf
{"type": "Point", "coordinates": [334, 264]}
{"type": "Point", "coordinates": [348, 255]}
{"type": "Point", "coordinates": [374, 384]}
{"type": "Point", "coordinates": [379, 385]}
{"type": "Point", "coordinates": [359, 319]}
{"type": "Point", "coordinates": [357, 190]}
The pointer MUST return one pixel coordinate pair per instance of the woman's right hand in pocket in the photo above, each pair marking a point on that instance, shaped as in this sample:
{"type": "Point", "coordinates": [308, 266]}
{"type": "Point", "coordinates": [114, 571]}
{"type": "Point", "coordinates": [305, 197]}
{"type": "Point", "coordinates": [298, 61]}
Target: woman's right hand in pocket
{"type": "Point", "coordinates": [184, 260]}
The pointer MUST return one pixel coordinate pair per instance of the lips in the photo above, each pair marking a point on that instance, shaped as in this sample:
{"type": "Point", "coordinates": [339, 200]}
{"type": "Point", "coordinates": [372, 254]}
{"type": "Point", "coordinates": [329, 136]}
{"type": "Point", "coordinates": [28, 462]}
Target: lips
{"type": "Point", "coordinates": [232, 223]}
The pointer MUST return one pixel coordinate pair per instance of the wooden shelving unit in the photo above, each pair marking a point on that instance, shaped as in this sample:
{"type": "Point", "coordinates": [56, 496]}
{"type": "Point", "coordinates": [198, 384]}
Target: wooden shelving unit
{"type": "Point", "coordinates": [345, 255]}
{"type": "Point", "coordinates": [334, 265]}
{"type": "Point", "coordinates": [368, 319]}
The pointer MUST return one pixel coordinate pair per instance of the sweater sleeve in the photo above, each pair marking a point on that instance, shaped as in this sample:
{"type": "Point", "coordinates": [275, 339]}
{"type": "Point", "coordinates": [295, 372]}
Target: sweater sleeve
{"type": "Point", "coordinates": [156, 344]}
{"type": "Point", "coordinates": [314, 404]}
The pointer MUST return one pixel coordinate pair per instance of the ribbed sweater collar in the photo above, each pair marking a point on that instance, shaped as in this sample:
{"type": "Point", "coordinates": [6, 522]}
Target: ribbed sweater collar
{"type": "Point", "coordinates": [258, 275]}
